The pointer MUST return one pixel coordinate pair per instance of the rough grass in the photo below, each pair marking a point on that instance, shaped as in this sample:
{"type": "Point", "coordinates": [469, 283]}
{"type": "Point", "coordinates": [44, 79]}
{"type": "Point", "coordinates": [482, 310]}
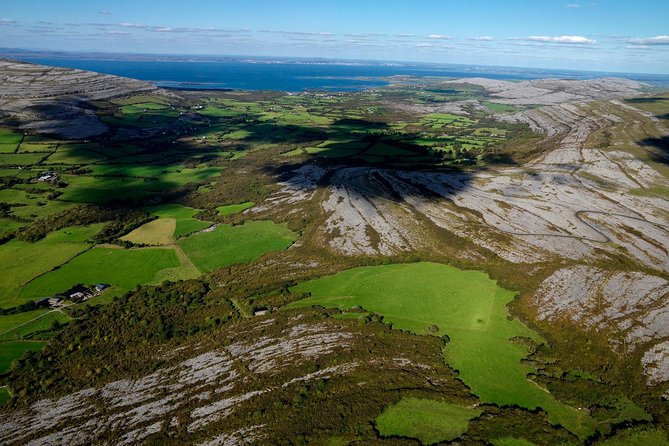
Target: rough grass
{"type": "Point", "coordinates": [9, 351]}
{"type": "Point", "coordinates": [510, 441]}
{"type": "Point", "coordinates": [227, 245]}
{"type": "Point", "coordinates": [156, 232]}
{"type": "Point", "coordinates": [232, 209]}
{"type": "Point", "coordinates": [122, 268]}
{"type": "Point", "coordinates": [427, 420]}
{"type": "Point", "coordinates": [4, 395]}
{"type": "Point", "coordinates": [654, 437]}
{"type": "Point", "coordinates": [467, 306]}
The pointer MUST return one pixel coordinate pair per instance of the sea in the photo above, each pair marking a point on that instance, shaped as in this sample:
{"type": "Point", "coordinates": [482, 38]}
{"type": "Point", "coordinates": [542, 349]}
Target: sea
{"type": "Point", "coordinates": [296, 75]}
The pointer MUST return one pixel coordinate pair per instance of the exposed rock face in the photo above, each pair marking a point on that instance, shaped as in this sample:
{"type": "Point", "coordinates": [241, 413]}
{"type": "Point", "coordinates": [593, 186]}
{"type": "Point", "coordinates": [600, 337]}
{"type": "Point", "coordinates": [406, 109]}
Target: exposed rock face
{"type": "Point", "coordinates": [554, 91]}
{"type": "Point", "coordinates": [55, 100]}
{"type": "Point", "coordinates": [553, 207]}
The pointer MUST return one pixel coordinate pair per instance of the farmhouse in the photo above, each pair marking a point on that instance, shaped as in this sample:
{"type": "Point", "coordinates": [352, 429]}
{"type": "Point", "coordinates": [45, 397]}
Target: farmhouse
{"type": "Point", "coordinates": [55, 302]}
{"type": "Point", "coordinates": [47, 177]}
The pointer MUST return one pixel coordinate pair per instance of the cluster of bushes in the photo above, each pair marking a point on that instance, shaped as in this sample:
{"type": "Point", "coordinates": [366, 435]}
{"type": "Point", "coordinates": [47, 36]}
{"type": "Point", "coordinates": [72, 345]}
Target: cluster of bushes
{"type": "Point", "coordinates": [121, 221]}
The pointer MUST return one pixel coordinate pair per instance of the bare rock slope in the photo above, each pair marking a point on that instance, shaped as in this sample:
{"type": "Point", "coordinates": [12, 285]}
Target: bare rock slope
{"type": "Point", "coordinates": [56, 100]}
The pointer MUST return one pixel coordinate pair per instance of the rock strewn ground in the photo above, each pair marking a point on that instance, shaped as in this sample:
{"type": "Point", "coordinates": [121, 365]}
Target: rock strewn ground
{"type": "Point", "coordinates": [207, 387]}
{"type": "Point", "coordinates": [633, 306]}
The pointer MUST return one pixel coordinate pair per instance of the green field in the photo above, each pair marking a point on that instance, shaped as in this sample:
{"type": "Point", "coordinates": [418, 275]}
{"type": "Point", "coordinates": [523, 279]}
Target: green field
{"type": "Point", "coordinates": [185, 223]}
{"type": "Point", "coordinates": [9, 351]}
{"type": "Point", "coordinates": [8, 136]}
{"type": "Point", "coordinates": [20, 262]}
{"type": "Point", "coordinates": [234, 208]}
{"type": "Point", "coordinates": [122, 268]}
{"type": "Point", "coordinates": [227, 245]}
{"type": "Point", "coordinates": [469, 307]}
{"type": "Point", "coordinates": [156, 232]}
{"type": "Point", "coordinates": [427, 420]}
{"type": "Point", "coordinates": [39, 320]}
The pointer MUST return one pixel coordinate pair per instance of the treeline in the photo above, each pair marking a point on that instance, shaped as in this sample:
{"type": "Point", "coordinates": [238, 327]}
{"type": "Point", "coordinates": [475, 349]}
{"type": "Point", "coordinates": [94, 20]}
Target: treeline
{"type": "Point", "coordinates": [121, 221]}
{"type": "Point", "coordinates": [31, 305]}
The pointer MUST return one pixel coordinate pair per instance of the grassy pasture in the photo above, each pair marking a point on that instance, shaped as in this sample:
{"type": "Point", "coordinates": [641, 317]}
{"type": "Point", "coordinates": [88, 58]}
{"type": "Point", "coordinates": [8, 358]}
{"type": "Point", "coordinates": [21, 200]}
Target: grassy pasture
{"type": "Point", "coordinates": [227, 245]}
{"type": "Point", "coordinates": [20, 262]}
{"type": "Point", "coordinates": [185, 223]}
{"type": "Point", "coordinates": [28, 329]}
{"type": "Point", "coordinates": [7, 148]}
{"type": "Point", "coordinates": [11, 321]}
{"type": "Point", "coordinates": [9, 136]}
{"type": "Point", "coordinates": [7, 225]}
{"type": "Point", "coordinates": [9, 351]}
{"type": "Point", "coordinates": [427, 420]}
{"type": "Point", "coordinates": [37, 206]}
{"type": "Point", "coordinates": [122, 268]}
{"type": "Point", "coordinates": [156, 232]}
{"type": "Point", "coordinates": [20, 159]}
{"type": "Point", "coordinates": [469, 307]}
{"type": "Point", "coordinates": [74, 154]}
{"type": "Point", "coordinates": [232, 209]}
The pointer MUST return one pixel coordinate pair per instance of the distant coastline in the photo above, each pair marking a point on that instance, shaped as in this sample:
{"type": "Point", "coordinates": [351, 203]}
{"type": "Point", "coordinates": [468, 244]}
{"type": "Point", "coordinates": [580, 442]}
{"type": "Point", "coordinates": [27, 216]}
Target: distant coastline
{"type": "Point", "coordinates": [288, 74]}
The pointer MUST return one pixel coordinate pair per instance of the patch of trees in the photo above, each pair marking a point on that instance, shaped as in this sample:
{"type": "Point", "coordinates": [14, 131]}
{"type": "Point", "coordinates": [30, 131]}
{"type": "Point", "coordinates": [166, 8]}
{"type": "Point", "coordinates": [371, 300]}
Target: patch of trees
{"type": "Point", "coordinates": [119, 339]}
{"type": "Point", "coordinates": [31, 305]}
{"type": "Point", "coordinates": [121, 221]}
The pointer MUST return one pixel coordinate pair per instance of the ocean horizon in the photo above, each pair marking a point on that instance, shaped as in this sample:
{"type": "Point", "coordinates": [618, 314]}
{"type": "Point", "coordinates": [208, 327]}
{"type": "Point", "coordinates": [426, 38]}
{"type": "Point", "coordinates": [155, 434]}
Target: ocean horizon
{"type": "Point", "coordinates": [295, 75]}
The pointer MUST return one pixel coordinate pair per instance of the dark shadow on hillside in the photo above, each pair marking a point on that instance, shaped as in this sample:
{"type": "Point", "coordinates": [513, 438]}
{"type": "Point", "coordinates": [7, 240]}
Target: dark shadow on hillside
{"type": "Point", "coordinates": [646, 100]}
{"type": "Point", "coordinates": [659, 148]}
{"type": "Point", "coordinates": [367, 156]}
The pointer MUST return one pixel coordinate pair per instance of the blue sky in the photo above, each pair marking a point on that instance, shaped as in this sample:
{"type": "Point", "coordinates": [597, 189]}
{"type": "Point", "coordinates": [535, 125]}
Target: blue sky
{"type": "Point", "coordinates": [608, 35]}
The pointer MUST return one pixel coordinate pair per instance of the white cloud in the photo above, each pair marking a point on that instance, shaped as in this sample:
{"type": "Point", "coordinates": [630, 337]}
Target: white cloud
{"type": "Point", "coordinates": [104, 12]}
{"type": "Point", "coordinates": [581, 5]}
{"type": "Point", "coordinates": [131, 25]}
{"type": "Point", "coordinates": [424, 45]}
{"type": "Point", "coordinates": [439, 36]}
{"type": "Point", "coordinates": [482, 38]}
{"type": "Point", "coordinates": [7, 22]}
{"type": "Point", "coordinates": [579, 40]}
{"type": "Point", "coordinates": [658, 40]}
